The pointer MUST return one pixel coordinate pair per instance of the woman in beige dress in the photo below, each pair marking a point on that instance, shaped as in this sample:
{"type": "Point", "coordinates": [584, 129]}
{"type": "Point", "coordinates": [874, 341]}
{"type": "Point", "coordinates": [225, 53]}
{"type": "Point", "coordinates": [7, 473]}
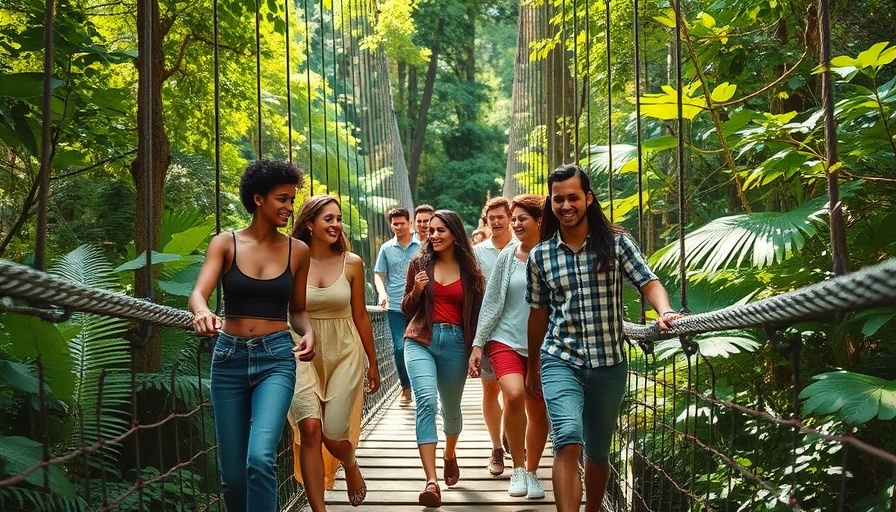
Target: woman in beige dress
{"type": "Point", "coordinates": [326, 409]}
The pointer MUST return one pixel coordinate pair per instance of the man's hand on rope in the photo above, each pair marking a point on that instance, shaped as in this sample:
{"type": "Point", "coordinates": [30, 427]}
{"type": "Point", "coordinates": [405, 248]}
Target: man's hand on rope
{"type": "Point", "coordinates": [206, 323]}
{"type": "Point", "coordinates": [664, 321]}
{"type": "Point", "coordinates": [304, 350]}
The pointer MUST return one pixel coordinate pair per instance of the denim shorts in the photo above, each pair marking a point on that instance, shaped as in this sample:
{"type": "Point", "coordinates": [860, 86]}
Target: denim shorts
{"type": "Point", "coordinates": [583, 404]}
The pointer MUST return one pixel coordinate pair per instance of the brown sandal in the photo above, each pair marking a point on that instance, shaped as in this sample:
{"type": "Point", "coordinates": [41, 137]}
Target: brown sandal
{"type": "Point", "coordinates": [452, 472]}
{"type": "Point", "coordinates": [356, 496]}
{"type": "Point", "coordinates": [431, 497]}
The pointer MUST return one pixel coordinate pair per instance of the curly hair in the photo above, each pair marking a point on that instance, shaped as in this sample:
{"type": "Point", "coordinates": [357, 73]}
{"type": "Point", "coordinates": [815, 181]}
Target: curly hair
{"type": "Point", "coordinates": [463, 250]}
{"type": "Point", "coordinates": [261, 176]}
{"type": "Point", "coordinates": [311, 208]}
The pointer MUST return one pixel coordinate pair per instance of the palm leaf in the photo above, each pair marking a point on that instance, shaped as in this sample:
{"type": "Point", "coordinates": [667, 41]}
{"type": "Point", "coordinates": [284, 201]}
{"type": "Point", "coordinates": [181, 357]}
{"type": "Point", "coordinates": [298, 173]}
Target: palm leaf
{"type": "Point", "coordinates": [853, 397]}
{"type": "Point", "coordinates": [756, 240]}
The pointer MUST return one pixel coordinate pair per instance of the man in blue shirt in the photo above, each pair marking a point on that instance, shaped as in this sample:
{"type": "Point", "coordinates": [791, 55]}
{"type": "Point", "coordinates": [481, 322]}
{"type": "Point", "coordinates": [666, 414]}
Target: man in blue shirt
{"type": "Point", "coordinates": [576, 351]}
{"type": "Point", "coordinates": [390, 272]}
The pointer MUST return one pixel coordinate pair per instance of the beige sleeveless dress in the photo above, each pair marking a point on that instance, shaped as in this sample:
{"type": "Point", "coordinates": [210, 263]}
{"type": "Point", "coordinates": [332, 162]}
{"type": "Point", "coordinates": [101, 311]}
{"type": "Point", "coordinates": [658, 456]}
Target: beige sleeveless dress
{"type": "Point", "coordinates": [330, 387]}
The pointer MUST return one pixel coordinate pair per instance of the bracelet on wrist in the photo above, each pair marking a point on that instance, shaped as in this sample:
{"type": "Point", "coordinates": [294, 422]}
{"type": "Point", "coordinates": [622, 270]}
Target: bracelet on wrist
{"type": "Point", "coordinates": [667, 313]}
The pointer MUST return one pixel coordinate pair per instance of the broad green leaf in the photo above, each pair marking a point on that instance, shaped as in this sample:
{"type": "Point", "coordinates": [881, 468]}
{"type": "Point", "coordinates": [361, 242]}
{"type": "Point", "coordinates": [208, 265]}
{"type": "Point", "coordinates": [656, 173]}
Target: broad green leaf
{"type": "Point", "coordinates": [723, 92]}
{"type": "Point", "coordinates": [756, 239]}
{"type": "Point", "coordinates": [664, 105]}
{"type": "Point", "coordinates": [21, 453]}
{"type": "Point", "coordinates": [32, 338]}
{"type": "Point", "coordinates": [665, 20]}
{"type": "Point", "coordinates": [19, 376]}
{"type": "Point", "coordinates": [25, 85]}
{"type": "Point", "coordinates": [871, 56]}
{"type": "Point", "coordinates": [176, 288]}
{"type": "Point", "coordinates": [706, 19]}
{"type": "Point", "coordinates": [873, 319]}
{"type": "Point", "coordinates": [140, 261]}
{"type": "Point", "coordinates": [853, 397]}
{"type": "Point", "coordinates": [726, 344]}
{"type": "Point", "coordinates": [185, 242]}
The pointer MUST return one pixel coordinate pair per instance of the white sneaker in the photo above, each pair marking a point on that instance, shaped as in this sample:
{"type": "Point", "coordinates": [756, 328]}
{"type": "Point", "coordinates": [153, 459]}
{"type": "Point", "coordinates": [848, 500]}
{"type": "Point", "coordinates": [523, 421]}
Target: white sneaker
{"type": "Point", "coordinates": [518, 484]}
{"type": "Point", "coordinates": [534, 490]}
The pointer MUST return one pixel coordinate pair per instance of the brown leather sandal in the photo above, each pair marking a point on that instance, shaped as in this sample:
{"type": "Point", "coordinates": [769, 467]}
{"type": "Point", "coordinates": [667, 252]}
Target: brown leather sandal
{"type": "Point", "coordinates": [452, 472]}
{"type": "Point", "coordinates": [356, 496]}
{"type": "Point", "coordinates": [431, 497]}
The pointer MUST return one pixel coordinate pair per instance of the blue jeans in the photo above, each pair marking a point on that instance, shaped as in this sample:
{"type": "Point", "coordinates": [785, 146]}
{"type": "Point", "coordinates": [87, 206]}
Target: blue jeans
{"type": "Point", "coordinates": [397, 324]}
{"type": "Point", "coordinates": [583, 404]}
{"type": "Point", "coordinates": [252, 383]}
{"type": "Point", "coordinates": [440, 366]}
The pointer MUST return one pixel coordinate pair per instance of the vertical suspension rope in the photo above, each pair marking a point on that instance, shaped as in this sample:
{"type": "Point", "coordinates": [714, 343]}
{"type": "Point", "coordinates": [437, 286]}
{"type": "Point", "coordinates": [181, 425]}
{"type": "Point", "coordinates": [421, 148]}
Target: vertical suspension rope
{"type": "Point", "coordinates": [575, 79]}
{"type": "Point", "coordinates": [336, 72]}
{"type": "Point", "coordinates": [308, 140]}
{"type": "Point", "coordinates": [354, 15]}
{"type": "Point", "coordinates": [217, 128]}
{"type": "Point", "coordinates": [680, 158]}
{"type": "Point", "coordinates": [588, 78]}
{"type": "Point", "coordinates": [835, 207]}
{"type": "Point", "coordinates": [288, 82]}
{"type": "Point", "coordinates": [344, 69]}
{"type": "Point", "coordinates": [46, 141]}
{"type": "Point", "coordinates": [636, 15]}
{"type": "Point", "coordinates": [258, 149]}
{"type": "Point", "coordinates": [609, 112]}
{"type": "Point", "coordinates": [325, 81]}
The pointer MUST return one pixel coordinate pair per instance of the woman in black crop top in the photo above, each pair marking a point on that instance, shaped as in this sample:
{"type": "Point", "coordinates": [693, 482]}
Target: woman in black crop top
{"type": "Point", "coordinates": [264, 274]}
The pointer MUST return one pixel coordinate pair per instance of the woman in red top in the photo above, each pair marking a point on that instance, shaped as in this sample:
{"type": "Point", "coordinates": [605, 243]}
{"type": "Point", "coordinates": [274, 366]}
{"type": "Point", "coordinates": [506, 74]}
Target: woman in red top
{"type": "Point", "coordinates": [442, 297]}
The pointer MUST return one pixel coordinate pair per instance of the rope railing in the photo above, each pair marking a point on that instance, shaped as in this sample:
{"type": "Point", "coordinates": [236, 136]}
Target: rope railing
{"type": "Point", "coordinates": [184, 448]}
{"type": "Point", "coordinates": [871, 286]}
{"type": "Point", "coordinates": [860, 290]}
{"type": "Point", "coordinates": [865, 288]}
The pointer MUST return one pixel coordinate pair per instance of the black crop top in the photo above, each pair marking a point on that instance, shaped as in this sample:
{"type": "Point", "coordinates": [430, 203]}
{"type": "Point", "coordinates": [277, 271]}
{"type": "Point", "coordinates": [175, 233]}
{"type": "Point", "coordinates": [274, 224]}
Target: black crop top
{"type": "Point", "coordinates": [257, 298]}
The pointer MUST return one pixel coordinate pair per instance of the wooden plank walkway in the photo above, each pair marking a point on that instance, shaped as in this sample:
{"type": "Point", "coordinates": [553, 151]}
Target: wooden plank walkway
{"type": "Point", "coordinates": [389, 460]}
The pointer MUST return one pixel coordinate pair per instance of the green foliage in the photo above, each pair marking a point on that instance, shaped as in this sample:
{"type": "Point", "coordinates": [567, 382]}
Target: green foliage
{"type": "Point", "coordinates": [20, 454]}
{"type": "Point", "coordinates": [28, 337]}
{"type": "Point", "coordinates": [852, 397]}
{"type": "Point", "coordinates": [758, 239]}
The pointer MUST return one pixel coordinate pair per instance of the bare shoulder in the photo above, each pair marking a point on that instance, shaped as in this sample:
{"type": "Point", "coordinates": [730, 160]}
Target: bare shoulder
{"type": "Point", "coordinates": [301, 253]}
{"type": "Point", "coordinates": [222, 242]}
{"type": "Point", "coordinates": [354, 264]}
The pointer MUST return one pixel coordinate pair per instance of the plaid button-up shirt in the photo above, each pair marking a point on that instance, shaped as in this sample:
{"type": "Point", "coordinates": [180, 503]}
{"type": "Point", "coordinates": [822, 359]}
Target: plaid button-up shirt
{"type": "Point", "coordinates": [585, 319]}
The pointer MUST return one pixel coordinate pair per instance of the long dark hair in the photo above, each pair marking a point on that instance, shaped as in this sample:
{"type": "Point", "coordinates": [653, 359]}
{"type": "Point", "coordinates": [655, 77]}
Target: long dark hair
{"type": "Point", "coordinates": [463, 250]}
{"type": "Point", "coordinates": [310, 209]}
{"type": "Point", "coordinates": [602, 231]}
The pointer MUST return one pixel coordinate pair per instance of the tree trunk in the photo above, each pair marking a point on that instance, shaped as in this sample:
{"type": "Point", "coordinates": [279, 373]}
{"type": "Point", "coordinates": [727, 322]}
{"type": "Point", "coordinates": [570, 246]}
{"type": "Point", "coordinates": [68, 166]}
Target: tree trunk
{"type": "Point", "coordinates": [425, 102]}
{"type": "Point", "coordinates": [412, 110]}
{"type": "Point", "coordinates": [153, 158]}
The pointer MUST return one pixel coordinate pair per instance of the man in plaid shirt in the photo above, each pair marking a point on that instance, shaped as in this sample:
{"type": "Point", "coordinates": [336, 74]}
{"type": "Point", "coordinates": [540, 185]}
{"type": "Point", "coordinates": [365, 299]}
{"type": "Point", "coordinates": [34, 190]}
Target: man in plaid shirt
{"type": "Point", "coordinates": [576, 357]}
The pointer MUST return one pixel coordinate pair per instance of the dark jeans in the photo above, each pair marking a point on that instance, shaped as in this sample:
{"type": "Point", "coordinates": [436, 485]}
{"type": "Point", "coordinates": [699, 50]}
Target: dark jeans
{"type": "Point", "coordinates": [397, 324]}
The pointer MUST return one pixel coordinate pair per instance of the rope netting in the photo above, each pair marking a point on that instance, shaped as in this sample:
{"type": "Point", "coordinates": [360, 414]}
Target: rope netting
{"type": "Point", "coordinates": [102, 434]}
{"type": "Point", "coordinates": [632, 93]}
